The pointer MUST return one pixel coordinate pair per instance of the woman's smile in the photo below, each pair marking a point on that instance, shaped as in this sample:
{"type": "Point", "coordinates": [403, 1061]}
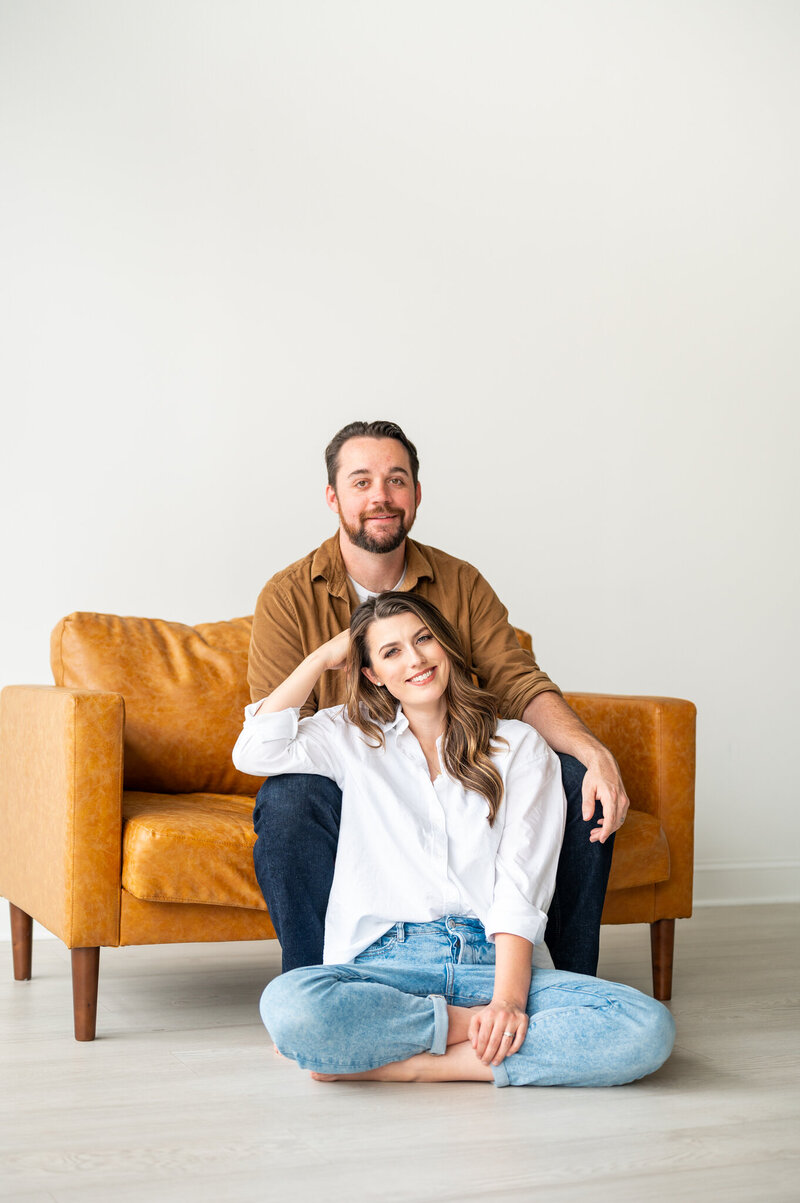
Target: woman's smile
{"type": "Point", "coordinates": [422, 678]}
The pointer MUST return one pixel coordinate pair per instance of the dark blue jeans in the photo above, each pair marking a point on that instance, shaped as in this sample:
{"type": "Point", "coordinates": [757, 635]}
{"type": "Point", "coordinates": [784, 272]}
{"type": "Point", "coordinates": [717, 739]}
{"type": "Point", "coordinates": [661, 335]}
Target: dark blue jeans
{"type": "Point", "coordinates": [296, 819]}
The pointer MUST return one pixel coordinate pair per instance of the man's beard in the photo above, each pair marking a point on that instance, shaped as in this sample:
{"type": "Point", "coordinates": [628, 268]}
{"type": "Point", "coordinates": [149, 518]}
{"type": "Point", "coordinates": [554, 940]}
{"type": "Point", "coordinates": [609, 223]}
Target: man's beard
{"type": "Point", "coordinates": [362, 537]}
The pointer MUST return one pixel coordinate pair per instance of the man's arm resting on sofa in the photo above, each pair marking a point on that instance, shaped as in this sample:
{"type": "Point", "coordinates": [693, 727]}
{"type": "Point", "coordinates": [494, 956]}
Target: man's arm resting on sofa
{"type": "Point", "coordinates": [554, 719]}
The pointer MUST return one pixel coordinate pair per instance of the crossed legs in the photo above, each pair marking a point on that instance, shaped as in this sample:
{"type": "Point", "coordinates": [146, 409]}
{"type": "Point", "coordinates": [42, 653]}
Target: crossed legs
{"type": "Point", "coordinates": [457, 1063]}
{"type": "Point", "coordinates": [393, 1023]}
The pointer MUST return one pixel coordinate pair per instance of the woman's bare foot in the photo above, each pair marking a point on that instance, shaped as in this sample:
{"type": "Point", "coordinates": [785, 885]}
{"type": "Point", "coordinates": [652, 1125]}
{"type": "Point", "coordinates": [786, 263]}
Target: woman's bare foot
{"type": "Point", "coordinates": [459, 1064]}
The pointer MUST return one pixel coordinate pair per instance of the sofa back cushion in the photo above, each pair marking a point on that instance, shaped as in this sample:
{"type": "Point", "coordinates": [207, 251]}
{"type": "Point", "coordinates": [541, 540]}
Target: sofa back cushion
{"type": "Point", "coordinates": [185, 689]}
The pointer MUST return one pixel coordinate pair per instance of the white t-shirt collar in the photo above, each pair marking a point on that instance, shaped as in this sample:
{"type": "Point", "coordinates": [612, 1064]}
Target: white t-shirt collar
{"type": "Point", "coordinates": [364, 594]}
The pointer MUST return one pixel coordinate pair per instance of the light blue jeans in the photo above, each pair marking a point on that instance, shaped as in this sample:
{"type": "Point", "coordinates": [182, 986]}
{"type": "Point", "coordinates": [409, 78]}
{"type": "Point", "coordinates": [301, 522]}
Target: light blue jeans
{"type": "Point", "coordinates": [391, 1003]}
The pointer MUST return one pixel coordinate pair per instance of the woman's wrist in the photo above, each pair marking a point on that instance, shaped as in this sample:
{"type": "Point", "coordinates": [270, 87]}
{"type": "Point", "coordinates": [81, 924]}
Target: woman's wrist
{"type": "Point", "coordinates": [317, 661]}
{"type": "Point", "coordinates": [509, 1001]}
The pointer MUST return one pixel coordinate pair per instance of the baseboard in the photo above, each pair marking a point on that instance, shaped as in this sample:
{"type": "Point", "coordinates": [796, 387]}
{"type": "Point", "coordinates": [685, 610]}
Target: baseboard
{"type": "Point", "coordinates": [716, 883]}
{"type": "Point", "coordinates": [746, 883]}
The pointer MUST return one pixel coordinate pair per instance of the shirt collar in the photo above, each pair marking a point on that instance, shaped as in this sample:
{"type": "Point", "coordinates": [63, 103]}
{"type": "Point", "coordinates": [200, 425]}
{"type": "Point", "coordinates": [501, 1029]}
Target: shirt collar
{"type": "Point", "coordinates": [328, 565]}
{"type": "Point", "coordinates": [399, 723]}
{"type": "Point", "coordinates": [418, 566]}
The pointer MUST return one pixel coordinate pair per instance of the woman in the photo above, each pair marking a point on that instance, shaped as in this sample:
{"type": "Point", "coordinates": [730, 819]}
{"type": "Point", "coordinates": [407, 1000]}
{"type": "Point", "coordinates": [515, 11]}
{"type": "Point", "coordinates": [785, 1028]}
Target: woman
{"type": "Point", "coordinates": [451, 827]}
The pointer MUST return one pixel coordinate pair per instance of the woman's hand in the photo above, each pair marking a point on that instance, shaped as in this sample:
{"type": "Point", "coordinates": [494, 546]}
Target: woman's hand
{"type": "Point", "coordinates": [489, 1031]}
{"type": "Point", "coordinates": [334, 652]}
{"type": "Point", "coordinates": [294, 691]}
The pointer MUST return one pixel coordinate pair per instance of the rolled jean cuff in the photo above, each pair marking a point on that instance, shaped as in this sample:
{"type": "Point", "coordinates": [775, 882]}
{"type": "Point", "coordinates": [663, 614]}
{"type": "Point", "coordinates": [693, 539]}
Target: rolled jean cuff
{"type": "Point", "coordinates": [441, 1025]}
{"type": "Point", "coordinates": [500, 1074]}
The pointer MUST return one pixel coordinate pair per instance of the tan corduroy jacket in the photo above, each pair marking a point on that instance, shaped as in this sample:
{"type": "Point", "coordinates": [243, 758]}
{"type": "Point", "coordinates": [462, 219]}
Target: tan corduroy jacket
{"type": "Point", "coordinates": [312, 600]}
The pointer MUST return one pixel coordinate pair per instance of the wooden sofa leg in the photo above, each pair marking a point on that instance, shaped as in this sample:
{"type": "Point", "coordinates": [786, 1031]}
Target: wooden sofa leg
{"type": "Point", "coordinates": [662, 947]}
{"type": "Point", "coordinates": [85, 972]}
{"type": "Point", "coordinates": [21, 943]}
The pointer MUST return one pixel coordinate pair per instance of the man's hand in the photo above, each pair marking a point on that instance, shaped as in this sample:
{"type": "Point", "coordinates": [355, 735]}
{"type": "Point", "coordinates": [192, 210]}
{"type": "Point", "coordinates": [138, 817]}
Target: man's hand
{"type": "Point", "coordinates": [603, 784]}
{"type": "Point", "coordinates": [565, 732]}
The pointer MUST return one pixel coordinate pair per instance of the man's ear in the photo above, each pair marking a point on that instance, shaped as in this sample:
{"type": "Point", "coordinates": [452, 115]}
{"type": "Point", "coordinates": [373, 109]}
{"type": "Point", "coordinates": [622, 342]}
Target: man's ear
{"type": "Point", "coordinates": [418, 494]}
{"type": "Point", "coordinates": [330, 497]}
{"type": "Point", "coordinates": [370, 675]}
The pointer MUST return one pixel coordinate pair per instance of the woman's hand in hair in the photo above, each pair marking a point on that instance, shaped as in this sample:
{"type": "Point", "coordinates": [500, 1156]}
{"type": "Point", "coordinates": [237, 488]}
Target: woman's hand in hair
{"type": "Point", "coordinates": [296, 689]}
{"type": "Point", "coordinates": [489, 1028]}
{"type": "Point", "coordinates": [334, 651]}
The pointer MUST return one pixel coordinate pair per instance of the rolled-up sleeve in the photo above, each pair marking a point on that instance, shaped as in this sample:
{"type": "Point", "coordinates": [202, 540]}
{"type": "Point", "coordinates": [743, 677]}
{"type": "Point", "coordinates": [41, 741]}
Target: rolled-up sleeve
{"type": "Point", "coordinates": [527, 856]}
{"type": "Point", "coordinates": [285, 743]}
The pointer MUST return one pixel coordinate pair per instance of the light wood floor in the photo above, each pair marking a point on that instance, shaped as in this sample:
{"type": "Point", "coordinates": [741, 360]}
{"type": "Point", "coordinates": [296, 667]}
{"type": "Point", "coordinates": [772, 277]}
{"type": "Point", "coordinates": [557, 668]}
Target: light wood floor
{"type": "Point", "coordinates": [180, 1097]}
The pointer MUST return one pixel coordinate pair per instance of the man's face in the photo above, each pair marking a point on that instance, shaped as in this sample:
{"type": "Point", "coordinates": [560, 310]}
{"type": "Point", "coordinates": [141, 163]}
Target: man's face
{"type": "Point", "coordinates": [375, 496]}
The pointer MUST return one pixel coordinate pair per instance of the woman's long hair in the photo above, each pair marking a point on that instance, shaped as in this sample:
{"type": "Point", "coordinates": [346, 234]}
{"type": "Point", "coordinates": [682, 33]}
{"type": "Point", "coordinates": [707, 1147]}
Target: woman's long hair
{"type": "Point", "coordinates": [471, 718]}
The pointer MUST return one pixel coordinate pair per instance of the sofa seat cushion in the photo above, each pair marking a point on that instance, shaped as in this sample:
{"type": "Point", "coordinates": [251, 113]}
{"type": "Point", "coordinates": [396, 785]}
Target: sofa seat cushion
{"type": "Point", "coordinates": [199, 848]}
{"type": "Point", "coordinates": [189, 848]}
{"type": "Point", "coordinates": [641, 853]}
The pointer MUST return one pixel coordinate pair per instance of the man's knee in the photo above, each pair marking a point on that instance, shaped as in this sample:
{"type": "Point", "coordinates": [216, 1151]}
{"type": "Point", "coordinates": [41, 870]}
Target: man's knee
{"type": "Point", "coordinates": [292, 801]}
{"type": "Point", "coordinates": [572, 775]}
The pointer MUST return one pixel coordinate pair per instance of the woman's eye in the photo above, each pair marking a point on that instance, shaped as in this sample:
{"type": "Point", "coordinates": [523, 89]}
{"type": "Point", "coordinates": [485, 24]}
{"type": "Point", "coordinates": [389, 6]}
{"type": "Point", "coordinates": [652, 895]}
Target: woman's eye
{"type": "Point", "coordinates": [424, 638]}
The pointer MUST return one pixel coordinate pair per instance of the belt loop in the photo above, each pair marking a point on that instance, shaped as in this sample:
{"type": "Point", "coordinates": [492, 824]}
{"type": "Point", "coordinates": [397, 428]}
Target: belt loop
{"type": "Point", "coordinates": [401, 933]}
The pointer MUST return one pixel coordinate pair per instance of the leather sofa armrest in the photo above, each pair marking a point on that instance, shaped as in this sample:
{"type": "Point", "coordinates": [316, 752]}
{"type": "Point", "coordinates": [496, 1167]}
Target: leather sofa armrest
{"type": "Point", "coordinates": [653, 740]}
{"type": "Point", "coordinates": [61, 753]}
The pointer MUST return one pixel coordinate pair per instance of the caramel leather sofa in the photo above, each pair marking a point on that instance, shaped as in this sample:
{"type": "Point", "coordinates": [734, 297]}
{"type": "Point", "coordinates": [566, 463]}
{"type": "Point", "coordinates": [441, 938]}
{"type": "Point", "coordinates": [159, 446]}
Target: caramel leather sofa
{"type": "Point", "coordinates": [123, 820]}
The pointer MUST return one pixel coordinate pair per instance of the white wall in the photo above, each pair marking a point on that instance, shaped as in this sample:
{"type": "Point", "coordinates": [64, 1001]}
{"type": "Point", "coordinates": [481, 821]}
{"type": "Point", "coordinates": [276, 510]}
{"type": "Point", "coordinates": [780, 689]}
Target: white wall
{"type": "Point", "coordinates": [557, 242]}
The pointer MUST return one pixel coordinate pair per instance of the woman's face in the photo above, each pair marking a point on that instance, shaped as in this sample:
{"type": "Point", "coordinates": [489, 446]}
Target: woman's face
{"type": "Point", "coordinates": [407, 659]}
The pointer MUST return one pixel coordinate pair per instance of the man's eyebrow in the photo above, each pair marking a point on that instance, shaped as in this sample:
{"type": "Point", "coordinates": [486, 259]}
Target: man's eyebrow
{"type": "Point", "coordinates": [394, 642]}
{"type": "Point", "coordinates": [366, 471]}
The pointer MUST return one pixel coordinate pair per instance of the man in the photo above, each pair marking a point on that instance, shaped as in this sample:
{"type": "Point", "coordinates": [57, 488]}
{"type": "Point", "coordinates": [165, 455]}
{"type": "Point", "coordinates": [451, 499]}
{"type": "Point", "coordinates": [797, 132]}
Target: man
{"type": "Point", "coordinates": [374, 489]}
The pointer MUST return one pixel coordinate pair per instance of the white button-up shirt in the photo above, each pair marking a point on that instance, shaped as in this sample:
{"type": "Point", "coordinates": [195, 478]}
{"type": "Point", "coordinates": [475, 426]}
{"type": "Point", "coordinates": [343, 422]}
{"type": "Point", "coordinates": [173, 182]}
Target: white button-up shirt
{"type": "Point", "coordinates": [413, 849]}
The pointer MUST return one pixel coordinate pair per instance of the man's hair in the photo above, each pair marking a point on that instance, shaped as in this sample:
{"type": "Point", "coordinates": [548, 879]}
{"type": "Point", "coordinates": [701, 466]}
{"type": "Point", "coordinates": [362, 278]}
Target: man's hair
{"type": "Point", "coordinates": [368, 430]}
